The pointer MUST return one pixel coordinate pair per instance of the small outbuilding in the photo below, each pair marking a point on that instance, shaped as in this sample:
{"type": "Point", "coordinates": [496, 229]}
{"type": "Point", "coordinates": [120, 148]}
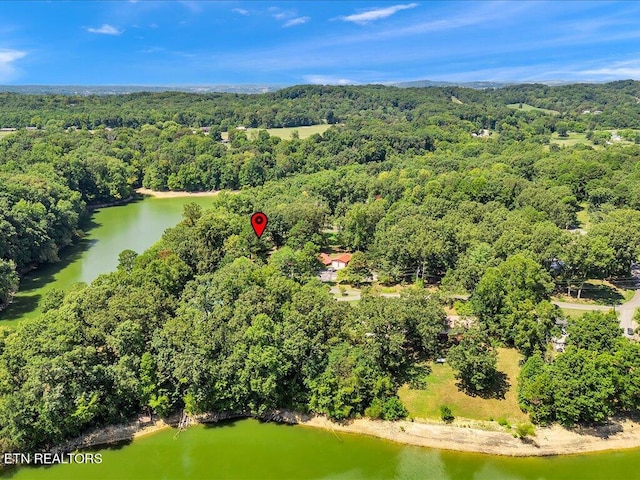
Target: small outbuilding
{"type": "Point", "coordinates": [325, 259]}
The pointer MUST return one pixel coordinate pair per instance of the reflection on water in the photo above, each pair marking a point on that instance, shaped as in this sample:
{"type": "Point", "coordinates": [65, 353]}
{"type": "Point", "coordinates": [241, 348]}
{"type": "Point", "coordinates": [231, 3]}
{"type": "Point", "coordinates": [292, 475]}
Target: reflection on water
{"type": "Point", "coordinates": [136, 226]}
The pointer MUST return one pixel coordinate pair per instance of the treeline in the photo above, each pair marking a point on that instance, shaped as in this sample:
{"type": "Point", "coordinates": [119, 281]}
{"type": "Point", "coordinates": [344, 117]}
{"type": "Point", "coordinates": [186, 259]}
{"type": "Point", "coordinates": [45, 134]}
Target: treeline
{"type": "Point", "coordinates": [39, 215]}
{"type": "Point", "coordinates": [301, 105]}
{"type": "Point", "coordinates": [613, 105]}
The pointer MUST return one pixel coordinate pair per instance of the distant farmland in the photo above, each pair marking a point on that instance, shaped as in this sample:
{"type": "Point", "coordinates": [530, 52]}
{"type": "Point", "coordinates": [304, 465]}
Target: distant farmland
{"type": "Point", "coordinates": [527, 108]}
{"type": "Point", "coordinates": [286, 132]}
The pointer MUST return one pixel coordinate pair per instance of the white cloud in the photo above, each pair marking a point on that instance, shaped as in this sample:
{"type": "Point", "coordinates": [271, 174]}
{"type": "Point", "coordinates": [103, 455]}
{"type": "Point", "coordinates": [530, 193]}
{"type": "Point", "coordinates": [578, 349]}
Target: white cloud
{"type": "Point", "coordinates": [241, 11]}
{"type": "Point", "coordinates": [327, 80]}
{"type": "Point", "coordinates": [106, 29]}
{"type": "Point", "coordinates": [376, 14]}
{"type": "Point", "coordinates": [7, 69]}
{"type": "Point", "coordinates": [296, 21]}
{"type": "Point", "coordinates": [616, 70]}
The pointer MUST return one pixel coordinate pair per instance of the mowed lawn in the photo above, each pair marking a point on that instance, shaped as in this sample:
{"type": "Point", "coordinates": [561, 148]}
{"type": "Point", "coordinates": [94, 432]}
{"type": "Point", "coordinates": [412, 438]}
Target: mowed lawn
{"type": "Point", "coordinates": [442, 390]}
{"type": "Point", "coordinates": [571, 139]}
{"type": "Point", "coordinates": [527, 108]}
{"type": "Point", "coordinates": [286, 132]}
{"type": "Point", "coordinates": [572, 313]}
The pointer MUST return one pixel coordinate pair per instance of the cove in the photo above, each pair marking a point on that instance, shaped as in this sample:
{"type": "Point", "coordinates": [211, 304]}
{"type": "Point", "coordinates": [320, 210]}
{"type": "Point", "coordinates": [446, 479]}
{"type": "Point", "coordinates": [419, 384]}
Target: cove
{"type": "Point", "coordinates": [136, 225]}
{"type": "Point", "coordinates": [250, 449]}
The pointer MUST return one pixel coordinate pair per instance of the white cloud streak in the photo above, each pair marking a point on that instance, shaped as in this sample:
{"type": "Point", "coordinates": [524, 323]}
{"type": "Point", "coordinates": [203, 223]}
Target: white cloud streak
{"type": "Point", "coordinates": [105, 29]}
{"type": "Point", "coordinates": [621, 69]}
{"type": "Point", "coordinates": [7, 68]}
{"type": "Point", "coordinates": [241, 11]}
{"type": "Point", "coordinates": [328, 80]}
{"type": "Point", "coordinates": [296, 21]}
{"type": "Point", "coordinates": [376, 14]}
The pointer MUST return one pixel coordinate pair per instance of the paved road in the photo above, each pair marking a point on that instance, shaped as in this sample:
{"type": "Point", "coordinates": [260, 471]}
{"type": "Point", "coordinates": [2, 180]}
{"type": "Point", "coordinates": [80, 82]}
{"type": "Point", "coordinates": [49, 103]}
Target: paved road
{"type": "Point", "coordinates": [352, 294]}
{"type": "Point", "coordinates": [626, 310]}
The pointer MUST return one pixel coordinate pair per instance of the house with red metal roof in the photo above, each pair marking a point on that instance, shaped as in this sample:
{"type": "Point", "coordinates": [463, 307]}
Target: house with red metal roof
{"type": "Point", "coordinates": [341, 261]}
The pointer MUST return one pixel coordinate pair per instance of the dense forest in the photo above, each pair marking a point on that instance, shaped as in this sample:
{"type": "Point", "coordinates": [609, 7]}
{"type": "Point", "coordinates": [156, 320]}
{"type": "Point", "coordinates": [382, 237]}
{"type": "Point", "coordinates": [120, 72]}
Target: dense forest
{"type": "Point", "coordinates": [470, 196]}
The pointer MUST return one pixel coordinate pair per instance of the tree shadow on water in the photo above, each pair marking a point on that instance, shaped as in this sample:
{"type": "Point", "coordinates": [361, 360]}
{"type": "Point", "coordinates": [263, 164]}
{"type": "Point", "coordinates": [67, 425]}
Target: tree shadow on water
{"type": "Point", "coordinates": [20, 306]}
{"type": "Point", "coordinates": [230, 422]}
{"type": "Point", "coordinates": [29, 294]}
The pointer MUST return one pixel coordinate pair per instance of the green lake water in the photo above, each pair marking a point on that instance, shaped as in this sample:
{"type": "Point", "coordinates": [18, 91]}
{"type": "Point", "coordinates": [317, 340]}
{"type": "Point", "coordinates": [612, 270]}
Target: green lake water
{"type": "Point", "coordinates": [249, 449]}
{"type": "Point", "coordinates": [136, 226]}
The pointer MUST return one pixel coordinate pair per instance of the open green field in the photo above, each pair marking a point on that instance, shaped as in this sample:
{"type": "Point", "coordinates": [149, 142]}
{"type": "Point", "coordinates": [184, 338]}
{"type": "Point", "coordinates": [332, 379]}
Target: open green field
{"type": "Point", "coordinates": [573, 313]}
{"type": "Point", "coordinates": [442, 390]}
{"type": "Point", "coordinates": [4, 134]}
{"type": "Point", "coordinates": [286, 132]}
{"type": "Point", "coordinates": [456, 100]}
{"type": "Point", "coordinates": [571, 139]}
{"type": "Point", "coordinates": [528, 108]}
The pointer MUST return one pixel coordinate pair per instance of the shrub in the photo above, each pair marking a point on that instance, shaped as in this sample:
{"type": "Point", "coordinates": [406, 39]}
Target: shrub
{"type": "Point", "coordinates": [393, 409]}
{"type": "Point", "coordinates": [445, 414]}
{"type": "Point", "coordinates": [374, 410]}
{"type": "Point", "coordinates": [463, 308]}
{"type": "Point", "coordinates": [503, 422]}
{"type": "Point", "coordinates": [524, 430]}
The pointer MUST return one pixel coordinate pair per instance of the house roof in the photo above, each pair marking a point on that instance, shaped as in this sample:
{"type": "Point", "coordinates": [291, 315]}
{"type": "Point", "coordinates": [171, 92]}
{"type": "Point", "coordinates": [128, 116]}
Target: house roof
{"type": "Point", "coordinates": [344, 258]}
{"type": "Point", "coordinates": [325, 259]}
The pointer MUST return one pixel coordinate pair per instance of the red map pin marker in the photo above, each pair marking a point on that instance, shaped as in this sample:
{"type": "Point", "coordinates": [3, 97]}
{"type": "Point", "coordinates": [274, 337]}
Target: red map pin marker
{"type": "Point", "coordinates": [259, 223]}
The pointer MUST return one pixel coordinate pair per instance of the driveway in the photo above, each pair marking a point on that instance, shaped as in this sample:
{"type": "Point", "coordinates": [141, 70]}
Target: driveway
{"type": "Point", "coordinates": [626, 310]}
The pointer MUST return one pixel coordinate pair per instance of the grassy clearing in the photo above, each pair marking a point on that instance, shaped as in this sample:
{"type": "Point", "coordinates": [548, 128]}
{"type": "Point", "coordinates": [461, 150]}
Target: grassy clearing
{"type": "Point", "coordinates": [392, 289]}
{"type": "Point", "coordinates": [4, 134]}
{"type": "Point", "coordinates": [528, 108]}
{"type": "Point", "coordinates": [442, 390]}
{"type": "Point", "coordinates": [286, 132]}
{"type": "Point", "coordinates": [572, 313]}
{"type": "Point", "coordinates": [599, 292]}
{"type": "Point", "coordinates": [571, 139]}
{"type": "Point", "coordinates": [456, 100]}
{"type": "Point", "coordinates": [583, 217]}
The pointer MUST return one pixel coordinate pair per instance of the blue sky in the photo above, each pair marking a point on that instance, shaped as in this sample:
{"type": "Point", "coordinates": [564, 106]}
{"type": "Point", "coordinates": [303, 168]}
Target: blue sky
{"type": "Point", "coordinates": [194, 42]}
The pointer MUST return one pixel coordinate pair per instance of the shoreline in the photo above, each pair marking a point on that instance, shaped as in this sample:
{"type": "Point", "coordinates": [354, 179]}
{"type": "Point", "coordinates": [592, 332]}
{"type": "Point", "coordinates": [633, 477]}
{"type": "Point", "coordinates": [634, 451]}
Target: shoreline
{"type": "Point", "coordinates": [114, 203]}
{"type": "Point", "coordinates": [462, 435]}
{"type": "Point", "coordinates": [171, 194]}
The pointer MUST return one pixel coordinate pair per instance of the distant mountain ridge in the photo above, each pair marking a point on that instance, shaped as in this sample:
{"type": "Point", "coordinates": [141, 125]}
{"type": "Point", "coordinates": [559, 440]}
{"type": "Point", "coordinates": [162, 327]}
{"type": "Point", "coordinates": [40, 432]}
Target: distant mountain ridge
{"type": "Point", "coordinates": [434, 83]}
{"type": "Point", "coordinates": [239, 88]}
{"type": "Point", "coordinates": [124, 89]}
